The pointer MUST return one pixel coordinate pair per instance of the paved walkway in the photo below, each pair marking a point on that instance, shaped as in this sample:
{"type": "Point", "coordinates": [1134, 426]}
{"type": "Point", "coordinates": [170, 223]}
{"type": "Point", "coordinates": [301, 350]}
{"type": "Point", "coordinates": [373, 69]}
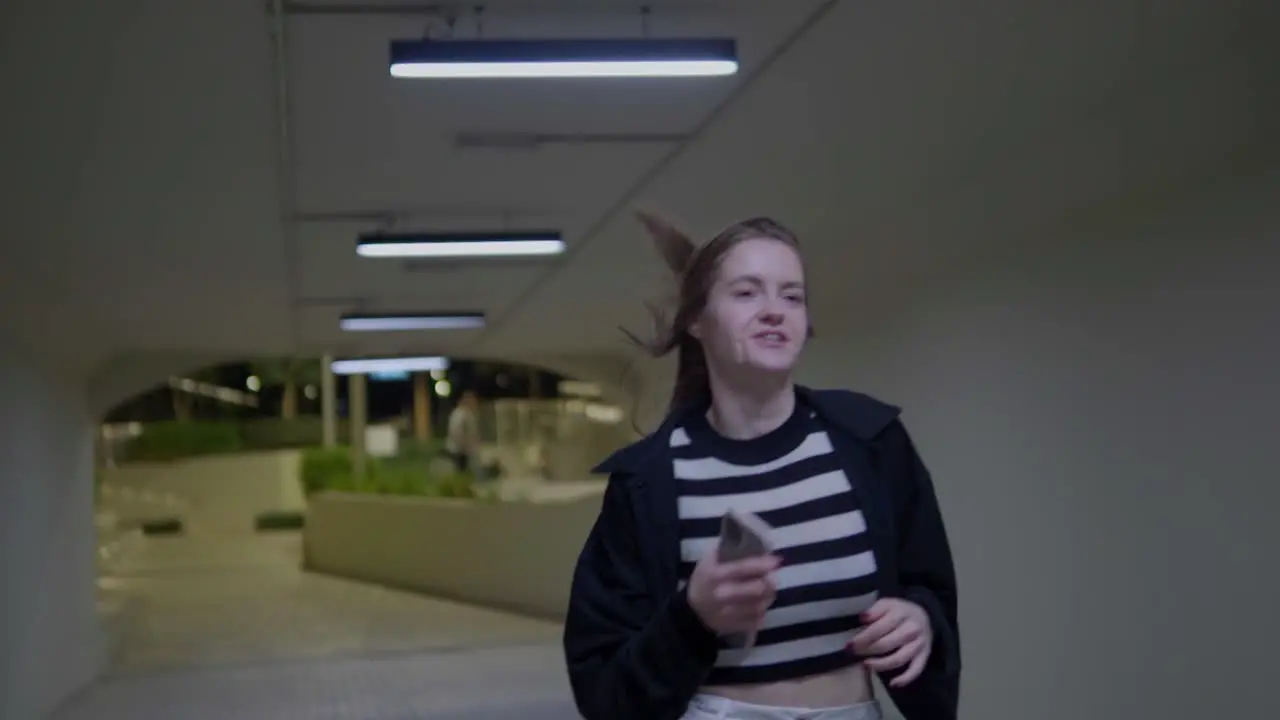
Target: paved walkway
{"type": "Point", "coordinates": [229, 627]}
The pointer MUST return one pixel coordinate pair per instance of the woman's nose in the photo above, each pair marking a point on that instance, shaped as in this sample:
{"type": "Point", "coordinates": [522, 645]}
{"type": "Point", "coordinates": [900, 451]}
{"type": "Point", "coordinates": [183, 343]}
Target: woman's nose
{"type": "Point", "coordinates": [771, 316]}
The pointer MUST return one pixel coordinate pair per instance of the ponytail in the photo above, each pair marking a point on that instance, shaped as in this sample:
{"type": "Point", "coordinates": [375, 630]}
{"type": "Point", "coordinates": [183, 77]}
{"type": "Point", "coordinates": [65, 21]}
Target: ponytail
{"type": "Point", "coordinates": [692, 385]}
{"type": "Point", "coordinates": [693, 381]}
{"type": "Point", "coordinates": [677, 251]}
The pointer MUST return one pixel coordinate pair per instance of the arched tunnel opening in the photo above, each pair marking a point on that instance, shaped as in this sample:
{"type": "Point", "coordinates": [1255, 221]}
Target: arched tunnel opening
{"type": "Point", "coordinates": [270, 510]}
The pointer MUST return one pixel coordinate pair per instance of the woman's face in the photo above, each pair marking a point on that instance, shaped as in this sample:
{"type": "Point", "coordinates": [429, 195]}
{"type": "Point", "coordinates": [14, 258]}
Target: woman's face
{"type": "Point", "coordinates": [757, 315]}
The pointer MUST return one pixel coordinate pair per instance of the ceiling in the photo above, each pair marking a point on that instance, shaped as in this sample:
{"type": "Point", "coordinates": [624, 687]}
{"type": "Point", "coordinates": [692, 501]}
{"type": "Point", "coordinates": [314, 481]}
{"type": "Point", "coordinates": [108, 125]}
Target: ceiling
{"type": "Point", "coordinates": [159, 197]}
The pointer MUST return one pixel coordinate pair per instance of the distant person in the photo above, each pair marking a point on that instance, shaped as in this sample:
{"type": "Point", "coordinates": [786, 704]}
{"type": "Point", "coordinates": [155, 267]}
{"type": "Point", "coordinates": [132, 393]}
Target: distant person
{"type": "Point", "coordinates": [462, 443]}
{"type": "Point", "coordinates": [860, 578]}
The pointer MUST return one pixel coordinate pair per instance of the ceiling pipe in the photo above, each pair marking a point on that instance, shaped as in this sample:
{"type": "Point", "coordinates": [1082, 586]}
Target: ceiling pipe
{"type": "Point", "coordinates": [466, 215]}
{"type": "Point", "coordinates": [295, 7]}
{"type": "Point", "coordinates": [461, 8]}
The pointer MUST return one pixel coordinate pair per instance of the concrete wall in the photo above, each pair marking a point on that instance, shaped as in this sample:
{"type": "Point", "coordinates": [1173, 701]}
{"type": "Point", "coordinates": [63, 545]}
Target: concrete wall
{"type": "Point", "coordinates": [222, 493]}
{"type": "Point", "coordinates": [517, 556]}
{"type": "Point", "coordinates": [50, 639]}
{"type": "Point", "coordinates": [1101, 422]}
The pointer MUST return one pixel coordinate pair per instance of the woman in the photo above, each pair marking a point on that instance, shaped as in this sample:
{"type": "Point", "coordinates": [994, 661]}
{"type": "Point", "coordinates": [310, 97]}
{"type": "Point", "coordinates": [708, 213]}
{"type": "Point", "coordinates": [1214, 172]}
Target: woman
{"type": "Point", "coordinates": [861, 578]}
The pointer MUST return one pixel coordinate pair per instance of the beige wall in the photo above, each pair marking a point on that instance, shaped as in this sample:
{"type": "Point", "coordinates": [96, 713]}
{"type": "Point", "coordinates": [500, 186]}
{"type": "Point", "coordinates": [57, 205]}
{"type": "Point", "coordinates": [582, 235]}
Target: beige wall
{"type": "Point", "coordinates": [517, 556]}
{"type": "Point", "coordinates": [119, 507]}
{"type": "Point", "coordinates": [1101, 423]}
{"type": "Point", "coordinates": [222, 493]}
{"type": "Point", "coordinates": [50, 637]}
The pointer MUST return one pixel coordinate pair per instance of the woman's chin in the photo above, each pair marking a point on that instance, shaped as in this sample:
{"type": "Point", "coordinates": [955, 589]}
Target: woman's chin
{"type": "Point", "coordinates": [771, 367]}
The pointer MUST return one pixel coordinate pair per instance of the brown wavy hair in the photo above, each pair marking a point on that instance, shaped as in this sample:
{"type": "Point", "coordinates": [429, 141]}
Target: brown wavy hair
{"type": "Point", "coordinates": [695, 271]}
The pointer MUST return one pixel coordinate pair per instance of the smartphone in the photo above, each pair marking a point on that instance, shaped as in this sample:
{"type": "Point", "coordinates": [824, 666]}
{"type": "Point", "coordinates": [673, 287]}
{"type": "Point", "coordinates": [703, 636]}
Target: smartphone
{"type": "Point", "coordinates": [742, 536]}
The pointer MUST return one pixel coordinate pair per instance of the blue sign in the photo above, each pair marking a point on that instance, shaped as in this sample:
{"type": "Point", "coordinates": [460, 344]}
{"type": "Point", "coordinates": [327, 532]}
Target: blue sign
{"type": "Point", "coordinates": [389, 375]}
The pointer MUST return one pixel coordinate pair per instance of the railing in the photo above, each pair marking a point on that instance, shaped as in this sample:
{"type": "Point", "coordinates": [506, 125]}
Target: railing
{"type": "Point", "coordinates": [557, 439]}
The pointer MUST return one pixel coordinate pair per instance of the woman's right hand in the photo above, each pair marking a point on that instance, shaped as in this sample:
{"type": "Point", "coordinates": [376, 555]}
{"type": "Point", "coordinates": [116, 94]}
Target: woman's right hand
{"type": "Point", "coordinates": [732, 597]}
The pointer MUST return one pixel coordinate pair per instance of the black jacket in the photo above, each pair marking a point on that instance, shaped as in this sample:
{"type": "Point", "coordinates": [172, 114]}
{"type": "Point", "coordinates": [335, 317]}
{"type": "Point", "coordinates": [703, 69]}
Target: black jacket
{"type": "Point", "coordinates": [636, 650]}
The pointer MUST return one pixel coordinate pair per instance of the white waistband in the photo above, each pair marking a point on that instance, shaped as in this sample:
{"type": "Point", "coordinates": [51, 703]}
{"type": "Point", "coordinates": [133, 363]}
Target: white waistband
{"type": "Point", "coordinates": [722, 708]}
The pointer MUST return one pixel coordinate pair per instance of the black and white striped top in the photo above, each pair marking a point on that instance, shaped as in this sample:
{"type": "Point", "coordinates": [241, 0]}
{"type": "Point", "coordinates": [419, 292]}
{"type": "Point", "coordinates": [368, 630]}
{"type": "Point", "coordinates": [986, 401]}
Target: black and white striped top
{"type": "Point", "coordinates": [791, 478]}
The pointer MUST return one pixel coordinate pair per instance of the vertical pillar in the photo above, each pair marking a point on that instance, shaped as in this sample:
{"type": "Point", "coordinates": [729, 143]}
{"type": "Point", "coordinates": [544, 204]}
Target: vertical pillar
{"type": "Point", "coordinates": [328, 402]}
{"type": "Point", "coordinates": [535, 385]}
{"type": "Point", "coordinates": [357, 402]}
{"type": "Point", "coordinates": [421, 407]}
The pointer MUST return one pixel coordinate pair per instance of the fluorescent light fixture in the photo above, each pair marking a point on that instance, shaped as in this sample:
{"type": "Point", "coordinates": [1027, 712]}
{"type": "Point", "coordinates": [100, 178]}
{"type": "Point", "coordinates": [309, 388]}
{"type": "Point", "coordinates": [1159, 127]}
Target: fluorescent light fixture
{"type": "Point", "coordinates": [581, 58]}
{"type": "Point", "coordinates": [400, 322]}
{"type": "Point", "coordinates": [370, 366]}
{"type": "Point", "coordinates": [460, 244]}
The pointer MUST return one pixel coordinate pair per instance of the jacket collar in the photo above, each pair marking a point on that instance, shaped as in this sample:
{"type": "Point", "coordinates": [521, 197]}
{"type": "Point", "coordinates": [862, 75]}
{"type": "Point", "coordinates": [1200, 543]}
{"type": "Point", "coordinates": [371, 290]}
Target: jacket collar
{"type": "Point", "coordinates": [861, 416]}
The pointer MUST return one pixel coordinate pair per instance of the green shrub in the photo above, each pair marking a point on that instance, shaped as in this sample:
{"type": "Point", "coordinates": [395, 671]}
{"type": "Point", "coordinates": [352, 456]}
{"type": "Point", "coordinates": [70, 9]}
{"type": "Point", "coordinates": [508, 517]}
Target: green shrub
{"type": "Point", "coordinates": [175, 439]}
{"type": "Point", "coordinates": [408, 474]}
{"type": "Point", "coordinates": [399, 479]}
{"type": "Point", "coordinates": [273, 433]}
{"type": "Point", "coordinates": [326, 469]}
{"type": "Point", "coordinates": [420, 451]}
{"type": "Point", "coordinates": [279, 520]}
{"type": "Point", "coordinates": [456, 485]}
{"type": "Point", "coordinates": [162, 526]}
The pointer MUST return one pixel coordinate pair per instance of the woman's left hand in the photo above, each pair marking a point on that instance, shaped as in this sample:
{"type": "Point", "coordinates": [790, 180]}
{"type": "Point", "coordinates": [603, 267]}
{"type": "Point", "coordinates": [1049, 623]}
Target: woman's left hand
{"type": "Point", "coordinates": [897, 633]}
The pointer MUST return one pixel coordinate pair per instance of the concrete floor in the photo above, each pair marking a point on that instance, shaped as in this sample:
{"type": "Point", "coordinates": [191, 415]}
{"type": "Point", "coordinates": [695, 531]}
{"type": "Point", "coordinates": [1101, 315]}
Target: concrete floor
{"type": "Point", "coordinates": [230, 627]}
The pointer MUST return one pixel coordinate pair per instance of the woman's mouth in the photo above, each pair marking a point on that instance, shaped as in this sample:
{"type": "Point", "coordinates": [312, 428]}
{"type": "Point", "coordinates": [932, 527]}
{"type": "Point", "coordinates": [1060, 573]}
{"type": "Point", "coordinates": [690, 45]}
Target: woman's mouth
{"type": "Point", "coordinates": [771, 338]}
